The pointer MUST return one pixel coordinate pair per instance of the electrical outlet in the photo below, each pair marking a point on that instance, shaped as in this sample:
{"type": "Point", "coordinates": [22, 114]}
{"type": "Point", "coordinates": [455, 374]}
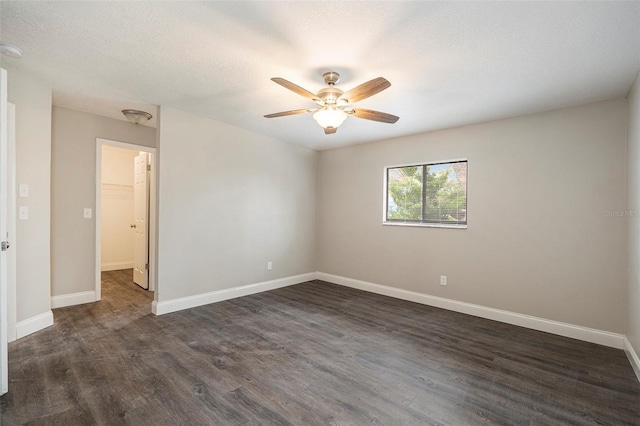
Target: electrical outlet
{"type": "Point", "coordinates": [443, 280]}
{"type": "Point", "coordinates": [269, 265]}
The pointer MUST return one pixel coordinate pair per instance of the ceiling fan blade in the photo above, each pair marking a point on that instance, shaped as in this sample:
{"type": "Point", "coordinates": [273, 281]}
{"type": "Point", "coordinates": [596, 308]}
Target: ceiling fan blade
{"type": "Point", "coordinates": [365, 90]}
{"type": "Point", "coordinates": [295, 88]}
{"type": "Point", "coordinates": [330, 130]}
{"type": "Point", "coordinates": [285, 113]}
{"type": "Point", "coordinates": [369, 114]}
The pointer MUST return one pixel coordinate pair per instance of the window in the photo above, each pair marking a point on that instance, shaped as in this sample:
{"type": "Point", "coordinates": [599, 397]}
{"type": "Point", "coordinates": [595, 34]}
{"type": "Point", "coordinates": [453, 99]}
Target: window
{"type": "Point", "coordinates": [427, 194]}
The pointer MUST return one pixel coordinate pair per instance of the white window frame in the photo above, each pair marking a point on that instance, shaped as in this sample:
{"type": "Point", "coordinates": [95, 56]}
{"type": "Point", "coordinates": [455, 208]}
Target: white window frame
{"type": "Point", "coordinates": [415, 224]}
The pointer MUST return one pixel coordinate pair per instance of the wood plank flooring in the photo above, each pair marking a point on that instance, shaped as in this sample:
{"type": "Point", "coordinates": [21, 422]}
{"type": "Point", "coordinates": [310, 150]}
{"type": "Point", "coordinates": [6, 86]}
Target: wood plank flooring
{"type": "Point", "coordinates": [310, 354]}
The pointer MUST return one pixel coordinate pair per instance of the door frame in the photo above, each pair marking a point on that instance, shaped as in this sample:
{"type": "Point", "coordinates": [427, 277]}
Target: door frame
{"type": "Point", "coordinates": [152, 210]}
{"type": "Point", "coordinates": [8, 287]}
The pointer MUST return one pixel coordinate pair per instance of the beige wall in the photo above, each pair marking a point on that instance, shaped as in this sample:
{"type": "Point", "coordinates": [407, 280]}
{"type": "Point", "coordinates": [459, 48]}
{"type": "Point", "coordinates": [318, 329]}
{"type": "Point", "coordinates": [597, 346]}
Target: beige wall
{"type": "Point", "coordinates": [33, 164]}
{"type": "Point", "coordinates": [73, 187]}
{"type": "Point", "coordinates": [539, 241]}
{"type": "Point", "coordinates": [633, 200]}
{"type": "Point", "coordinates": [230, 200]}
{"type": "Point", "coordinates": [116, 242]}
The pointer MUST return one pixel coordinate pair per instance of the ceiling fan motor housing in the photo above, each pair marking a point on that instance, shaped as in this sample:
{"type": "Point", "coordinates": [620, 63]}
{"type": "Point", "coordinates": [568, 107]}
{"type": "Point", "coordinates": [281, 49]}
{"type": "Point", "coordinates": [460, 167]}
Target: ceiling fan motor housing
{"type": "Point", "coordinates": [330, 95]}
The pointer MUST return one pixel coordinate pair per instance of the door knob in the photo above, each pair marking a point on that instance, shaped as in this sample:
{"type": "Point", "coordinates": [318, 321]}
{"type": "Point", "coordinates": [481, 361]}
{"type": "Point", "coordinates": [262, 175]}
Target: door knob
{"type": "Point", "coordinates": [133, 225]}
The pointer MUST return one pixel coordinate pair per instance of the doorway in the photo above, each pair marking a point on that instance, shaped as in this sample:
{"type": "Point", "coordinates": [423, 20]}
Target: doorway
{"type": "Point", "coordinates": [125, 212]}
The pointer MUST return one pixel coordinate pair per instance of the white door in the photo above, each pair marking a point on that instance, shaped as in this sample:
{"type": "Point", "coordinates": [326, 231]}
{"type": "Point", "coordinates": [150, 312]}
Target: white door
{"type": "Point", "coordinates": [141, 224]}
{"type": "Point", "coordinates": [4, 364]}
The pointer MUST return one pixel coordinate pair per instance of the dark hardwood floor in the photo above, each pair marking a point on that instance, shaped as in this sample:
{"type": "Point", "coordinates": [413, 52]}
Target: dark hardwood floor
{"type": "Point", "coordinates": [310, 354]}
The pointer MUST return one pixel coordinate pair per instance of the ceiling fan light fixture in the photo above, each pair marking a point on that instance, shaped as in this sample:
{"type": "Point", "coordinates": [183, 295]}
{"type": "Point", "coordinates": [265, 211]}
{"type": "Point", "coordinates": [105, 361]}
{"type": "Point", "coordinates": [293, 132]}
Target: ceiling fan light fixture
{"type": "Point", "coordinates": [329, 117]}
{"type": "Point", "coordinates": [135, 116]}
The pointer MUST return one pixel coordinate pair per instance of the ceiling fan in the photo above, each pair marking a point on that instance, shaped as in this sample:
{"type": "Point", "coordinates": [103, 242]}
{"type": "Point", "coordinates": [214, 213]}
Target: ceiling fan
{"type": "Point", "coordinates": [334, 105]}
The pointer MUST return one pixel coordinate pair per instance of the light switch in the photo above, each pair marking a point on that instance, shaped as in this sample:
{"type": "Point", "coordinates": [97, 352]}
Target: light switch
{"type": "Point", "coordinates": [23, 190]}
{"type": "Point", "coordinates": [23, 213]}
{"type": "Point", "coordinates": [87, 213]}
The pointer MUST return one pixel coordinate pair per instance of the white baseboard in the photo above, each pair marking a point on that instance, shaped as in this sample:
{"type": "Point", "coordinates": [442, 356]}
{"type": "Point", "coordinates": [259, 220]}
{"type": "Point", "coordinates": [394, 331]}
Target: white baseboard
{"type": "Point", "coordinates": [33, 324]}
{"type": "Point", "coordinates": [633, 357]}
{"type": "Point", "coordinates": [173, 305]}
{"type": "Point", "coordinates": [606, 338]}
{"type": "Point", "coordinates": [116, 266]}
{"type": "Point", "coordinates": [73, 299]}
{"type": "Point", "coordinates": [600, 337]}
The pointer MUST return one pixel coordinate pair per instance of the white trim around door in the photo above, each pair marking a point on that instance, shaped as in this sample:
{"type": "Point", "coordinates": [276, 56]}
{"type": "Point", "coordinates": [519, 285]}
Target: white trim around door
{"type": "Point", "coordinates": [152, 210]}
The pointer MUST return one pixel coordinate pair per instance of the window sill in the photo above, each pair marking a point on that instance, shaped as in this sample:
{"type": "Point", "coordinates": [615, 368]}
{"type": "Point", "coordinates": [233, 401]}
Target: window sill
{"type": "Point", "coordinates": [425, 225]}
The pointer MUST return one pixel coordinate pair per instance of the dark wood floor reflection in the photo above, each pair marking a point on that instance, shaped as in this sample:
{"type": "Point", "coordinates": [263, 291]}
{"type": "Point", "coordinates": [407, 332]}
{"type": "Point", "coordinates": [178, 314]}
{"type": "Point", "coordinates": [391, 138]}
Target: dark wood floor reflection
{"type": "Point", "coordinates": [310, 354]}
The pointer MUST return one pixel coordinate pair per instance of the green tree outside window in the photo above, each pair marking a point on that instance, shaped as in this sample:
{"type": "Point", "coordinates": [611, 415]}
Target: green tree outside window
{"type": "Point", "coordinates": [430, 193]}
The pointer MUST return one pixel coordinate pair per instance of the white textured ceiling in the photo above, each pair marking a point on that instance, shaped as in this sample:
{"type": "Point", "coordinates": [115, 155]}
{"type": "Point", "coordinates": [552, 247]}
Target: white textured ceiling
{"type": "Point", "coordinates": [449, 63]}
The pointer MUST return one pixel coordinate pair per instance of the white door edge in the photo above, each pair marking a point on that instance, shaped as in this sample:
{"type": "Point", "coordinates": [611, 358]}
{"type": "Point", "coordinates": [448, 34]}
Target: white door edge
{"type": "Point", "coordinates": [12, 311]}
{"type": "Point", "coordinates": [141, 220]}
{"type": "Point", "coordinates": [4, 340]}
